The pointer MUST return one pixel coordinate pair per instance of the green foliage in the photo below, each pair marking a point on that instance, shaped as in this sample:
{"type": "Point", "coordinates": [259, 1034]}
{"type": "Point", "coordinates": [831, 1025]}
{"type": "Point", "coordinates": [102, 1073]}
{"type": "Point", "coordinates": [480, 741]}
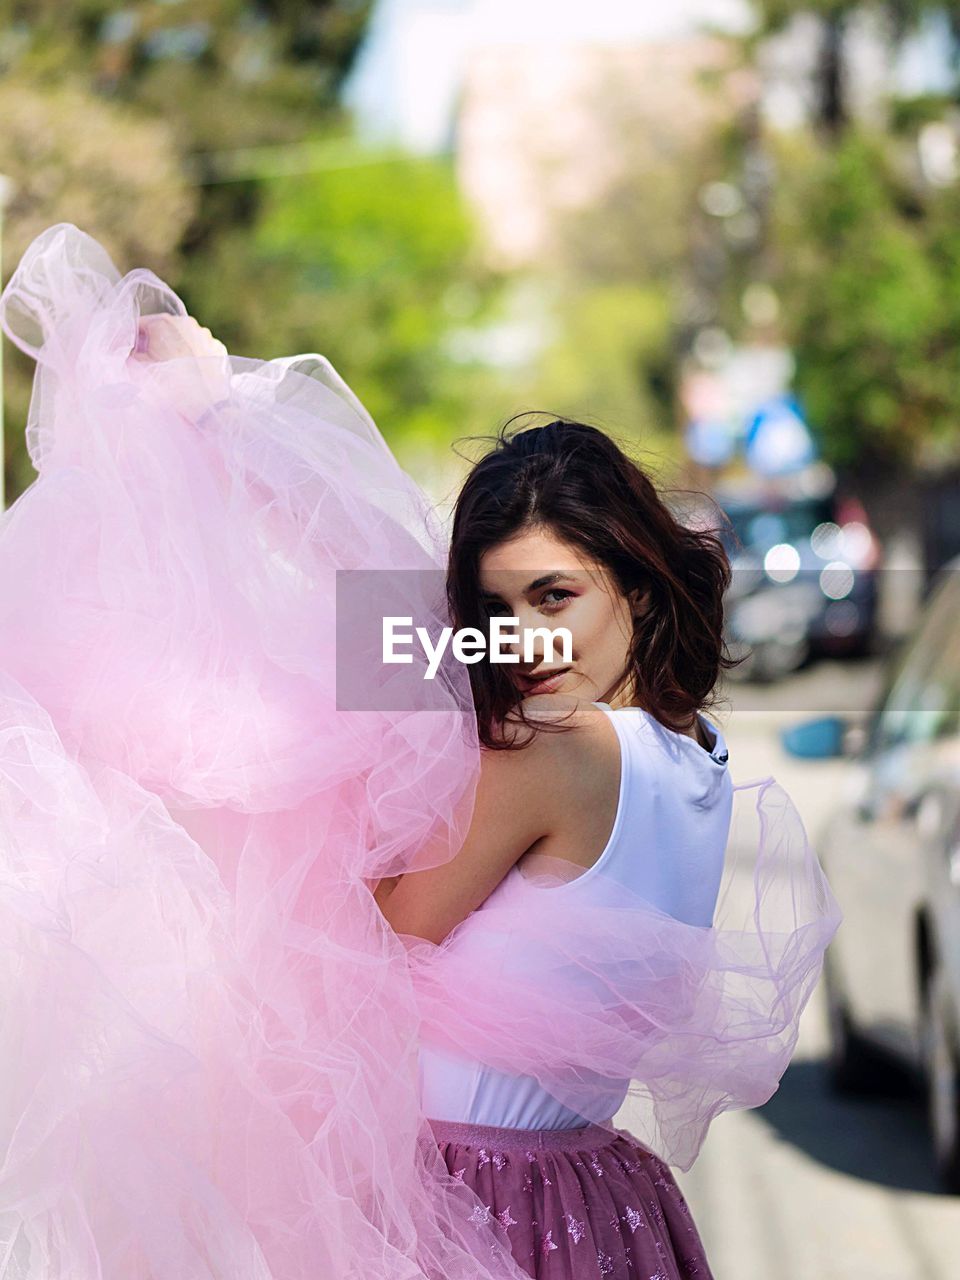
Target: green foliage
{"type": "Point", "coordinates": [109, 115]}
{"type": "Point", "coordinates": [868, 272]}
{"type": "Point", "coordinates": [605, 364]}
{"type": "Point", "coordinates": [832, 111]}
{"type": "Point", "coordinates": [866, 258]}
{"type": "Point", "coordinates": [369, 264]}
{"type": "Point", "coordinates": [385, 223]}
{"type": "Point", "coordinates": [774, 14]}
{"type": "Point", "coordinates": [115, 173]}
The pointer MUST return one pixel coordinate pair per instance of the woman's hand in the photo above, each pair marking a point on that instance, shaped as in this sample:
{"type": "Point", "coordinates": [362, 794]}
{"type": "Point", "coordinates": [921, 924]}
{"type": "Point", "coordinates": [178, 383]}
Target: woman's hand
{"type": "Point", "coordinates": [168, 337]}
{"type": "Point", "coordinates": [200, 375]}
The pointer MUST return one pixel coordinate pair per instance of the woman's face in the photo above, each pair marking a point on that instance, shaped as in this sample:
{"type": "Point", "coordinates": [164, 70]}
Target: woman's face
{"type": "Point", "coordinates": [580, 595]}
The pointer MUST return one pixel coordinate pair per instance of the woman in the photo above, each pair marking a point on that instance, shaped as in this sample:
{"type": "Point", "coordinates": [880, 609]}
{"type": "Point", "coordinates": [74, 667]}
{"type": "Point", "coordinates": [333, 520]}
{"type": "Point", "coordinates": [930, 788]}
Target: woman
{"type": "Point", "coordinates": [557, 527]}
{"type": "Point", "coordinates": [217, 1051]}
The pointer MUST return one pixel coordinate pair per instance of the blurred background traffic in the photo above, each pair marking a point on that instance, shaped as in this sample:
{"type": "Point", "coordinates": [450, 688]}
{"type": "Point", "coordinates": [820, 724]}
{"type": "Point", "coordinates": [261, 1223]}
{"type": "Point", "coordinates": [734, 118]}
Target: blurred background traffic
{"type": "Point", "coordinates": [725, 231]}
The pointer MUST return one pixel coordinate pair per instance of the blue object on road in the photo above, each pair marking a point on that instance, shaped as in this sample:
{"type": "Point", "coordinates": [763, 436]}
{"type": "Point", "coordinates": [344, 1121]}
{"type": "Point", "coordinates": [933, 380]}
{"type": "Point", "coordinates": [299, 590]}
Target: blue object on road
{"type": "Point", "coordinates": [820, 739]}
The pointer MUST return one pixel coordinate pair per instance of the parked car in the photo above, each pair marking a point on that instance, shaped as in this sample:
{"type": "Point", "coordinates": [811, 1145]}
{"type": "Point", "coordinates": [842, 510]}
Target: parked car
{"type": "Point", "coordinates": [892, 855]}
{"type": "Point", "coordinates": [805, 577]}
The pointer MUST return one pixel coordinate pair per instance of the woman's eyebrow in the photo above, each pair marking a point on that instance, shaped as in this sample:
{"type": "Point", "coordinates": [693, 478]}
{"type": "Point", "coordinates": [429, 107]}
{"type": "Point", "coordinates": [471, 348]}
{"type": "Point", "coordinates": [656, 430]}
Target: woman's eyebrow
{"type": "Point", "coordinates": [547, 580]}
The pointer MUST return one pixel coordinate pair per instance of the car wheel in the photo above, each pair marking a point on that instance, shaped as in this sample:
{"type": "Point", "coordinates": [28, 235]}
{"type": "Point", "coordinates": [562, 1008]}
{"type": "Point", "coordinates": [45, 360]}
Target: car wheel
{"type": "Point", "coordinates": [783, 657]}
{"type": "Point", "coordinates": [941, 1066]}
{"type": "Point", "coordinates": [769, 661]}
{"type": "Point", "coordinates": [851, 1065]}
{"type": "Point", "coordinates": [862, 645]}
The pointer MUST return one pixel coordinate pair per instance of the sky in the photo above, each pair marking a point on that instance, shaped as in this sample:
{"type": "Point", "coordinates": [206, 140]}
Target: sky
{"type": "Point", "coordinates": [406, 81]}
{"type": "Point", "coordinates": [408, 74]}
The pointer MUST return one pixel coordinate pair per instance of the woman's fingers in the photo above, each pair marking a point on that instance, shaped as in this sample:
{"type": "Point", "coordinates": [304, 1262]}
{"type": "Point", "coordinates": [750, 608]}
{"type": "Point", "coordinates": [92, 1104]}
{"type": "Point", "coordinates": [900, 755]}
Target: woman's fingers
{"type": "Point", "coordinates": [200, 375]}
{"type": "Point", "coordinates": [167, 337]}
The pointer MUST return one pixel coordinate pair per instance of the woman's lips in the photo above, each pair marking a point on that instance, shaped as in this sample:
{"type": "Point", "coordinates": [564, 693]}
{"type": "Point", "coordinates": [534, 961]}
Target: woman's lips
{"type": "Point", "coordinates": [542, 684]}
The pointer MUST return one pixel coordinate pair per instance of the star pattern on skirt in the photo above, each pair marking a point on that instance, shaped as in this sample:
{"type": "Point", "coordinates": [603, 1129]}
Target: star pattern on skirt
{"type": "Point", "coordinates": [627, 1218]}
{"type": "Point", "coordinates": [575, 1227]}
{"type": "Point", "coordinates": [546, 1244]}
{"type": "Point", "coordinates": [480, 1215]}
{"type": "Point", "coordinates": [632, 1217]}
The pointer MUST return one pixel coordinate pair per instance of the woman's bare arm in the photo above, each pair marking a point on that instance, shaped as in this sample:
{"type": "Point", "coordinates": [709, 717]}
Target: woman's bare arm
{"type": "Point", "coordinates": [520, 797]}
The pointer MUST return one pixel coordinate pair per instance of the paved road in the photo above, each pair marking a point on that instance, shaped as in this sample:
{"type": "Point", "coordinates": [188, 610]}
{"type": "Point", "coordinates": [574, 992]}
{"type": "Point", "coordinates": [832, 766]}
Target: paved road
{"type": "Point", "coordinates": [813, 1186]}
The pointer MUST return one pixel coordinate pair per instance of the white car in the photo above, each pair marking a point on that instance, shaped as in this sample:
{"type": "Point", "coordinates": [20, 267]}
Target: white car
{"type": "Point", "coordinates": [892, 855]}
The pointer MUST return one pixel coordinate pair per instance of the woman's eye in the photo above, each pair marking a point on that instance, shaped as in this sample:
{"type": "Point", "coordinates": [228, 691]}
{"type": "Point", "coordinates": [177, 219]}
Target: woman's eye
{"type": "Point", "coordinates": [550, 604]}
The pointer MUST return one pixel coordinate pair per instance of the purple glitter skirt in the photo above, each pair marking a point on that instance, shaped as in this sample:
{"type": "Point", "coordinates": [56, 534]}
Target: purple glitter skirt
{"type": "Point", "coordinates": [578, 1204]}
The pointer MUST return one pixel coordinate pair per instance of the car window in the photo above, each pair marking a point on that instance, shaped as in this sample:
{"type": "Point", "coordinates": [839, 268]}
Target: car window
{"type": "Point", "coordinates": [920, 702]}
{"type": "Point", "coordinates": [942, 694]}
{"type": "Point", "coordinates": [765, 526]}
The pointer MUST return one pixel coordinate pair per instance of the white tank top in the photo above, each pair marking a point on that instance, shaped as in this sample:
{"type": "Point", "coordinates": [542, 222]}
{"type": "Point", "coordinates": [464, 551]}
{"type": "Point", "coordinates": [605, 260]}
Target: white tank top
{"type": "Point", "coordinates": [667, 844]}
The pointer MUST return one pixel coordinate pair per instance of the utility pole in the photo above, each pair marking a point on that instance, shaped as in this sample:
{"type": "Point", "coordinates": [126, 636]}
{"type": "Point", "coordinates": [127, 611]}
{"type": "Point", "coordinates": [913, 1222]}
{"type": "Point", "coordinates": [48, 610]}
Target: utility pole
{"type": "Point", "coordinates": [6, 192]}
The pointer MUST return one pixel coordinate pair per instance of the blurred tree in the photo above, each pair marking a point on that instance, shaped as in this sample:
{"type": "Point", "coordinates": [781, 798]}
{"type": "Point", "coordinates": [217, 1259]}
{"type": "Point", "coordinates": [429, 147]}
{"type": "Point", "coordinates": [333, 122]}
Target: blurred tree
{"type": "Point", "coordinates": [864, 254]}
{"type": "Point", "coordinates": [101, 165]}
{"type": "Point", "coordinates": [113, 171]}
{"type": "Point", "coordinates": [610, 363]}
{"type": "Point", "coordinates": [115, 119]}
{"type": "Point", "coordinates": [221, 74]}
{"type": "Point", "coordinates": [267, 48]}
{"type": "Point", "coordinates": [370, 265]}
{"type": "Point", "coordinates": [835, 16]}
{"type": "Point", "coordinates": [868, 267]}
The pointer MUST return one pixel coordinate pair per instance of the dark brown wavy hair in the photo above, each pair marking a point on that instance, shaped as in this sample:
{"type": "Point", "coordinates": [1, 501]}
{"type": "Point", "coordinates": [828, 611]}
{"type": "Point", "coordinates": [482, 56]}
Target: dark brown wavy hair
{"type": "Point", "coordinates": [574, 481]}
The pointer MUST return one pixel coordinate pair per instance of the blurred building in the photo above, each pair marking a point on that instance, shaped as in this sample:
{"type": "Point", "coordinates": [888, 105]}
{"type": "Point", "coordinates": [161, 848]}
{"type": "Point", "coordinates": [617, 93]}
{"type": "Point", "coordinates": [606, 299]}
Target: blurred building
{"type": "Point", "coordinates": [406, 83]}
{"type": "Point", "coordinates": [545, 127]}
{"type": "Point", "coordinates": [539, 101]}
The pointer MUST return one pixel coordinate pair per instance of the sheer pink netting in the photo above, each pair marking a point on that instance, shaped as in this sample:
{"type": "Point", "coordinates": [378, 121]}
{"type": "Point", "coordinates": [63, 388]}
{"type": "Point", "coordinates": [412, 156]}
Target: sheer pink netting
{"type": "Point", "coordinates": [209, 1034]}
{"type": "Point", "coordinates": [603, 997]}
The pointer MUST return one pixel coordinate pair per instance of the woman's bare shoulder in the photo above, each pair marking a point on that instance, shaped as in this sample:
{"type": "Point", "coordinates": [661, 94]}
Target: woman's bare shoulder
{"type": "Point", "coordinates": [578, 767]}
{"type": "Point", "coordinates": [582, 722]}
{"type": "Point", "coordinates": [557, 707]}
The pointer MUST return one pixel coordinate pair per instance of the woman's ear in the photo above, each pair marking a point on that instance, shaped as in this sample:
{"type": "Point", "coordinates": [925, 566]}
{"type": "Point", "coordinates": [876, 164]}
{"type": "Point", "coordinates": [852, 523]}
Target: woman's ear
{"type": "Point", "coordinates": [639, 599]}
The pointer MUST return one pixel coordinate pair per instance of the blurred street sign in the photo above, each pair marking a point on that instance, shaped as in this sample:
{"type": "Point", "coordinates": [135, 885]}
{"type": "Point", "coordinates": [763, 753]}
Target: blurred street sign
{"type": "Point", "coordinates": [778, 439]}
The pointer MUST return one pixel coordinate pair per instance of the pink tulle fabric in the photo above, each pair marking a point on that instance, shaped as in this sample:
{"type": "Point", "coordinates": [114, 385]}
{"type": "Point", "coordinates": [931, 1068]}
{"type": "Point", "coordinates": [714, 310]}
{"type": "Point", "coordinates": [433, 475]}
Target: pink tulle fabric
{"type": "Point", "coordinates": [604, 996]}
{"type": "Point", "coordinates": [209, 1033]}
